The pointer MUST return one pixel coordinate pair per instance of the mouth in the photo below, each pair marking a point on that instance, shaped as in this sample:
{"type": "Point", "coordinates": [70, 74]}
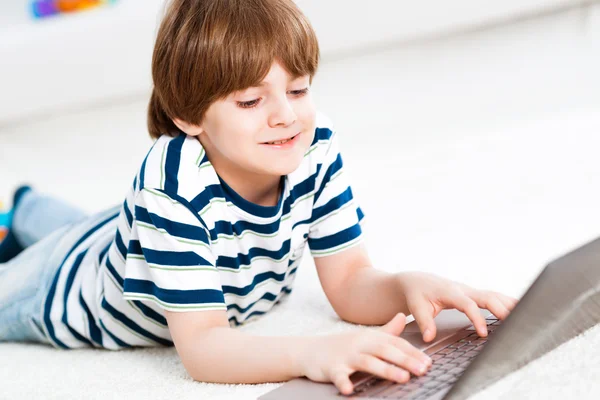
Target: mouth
{"type": "Point", "coordinates": [283, 141]}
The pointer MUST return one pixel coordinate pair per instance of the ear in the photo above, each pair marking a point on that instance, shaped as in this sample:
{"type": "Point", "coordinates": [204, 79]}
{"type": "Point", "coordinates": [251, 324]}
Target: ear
{"type": "Point", "coordinates": [190, 129]}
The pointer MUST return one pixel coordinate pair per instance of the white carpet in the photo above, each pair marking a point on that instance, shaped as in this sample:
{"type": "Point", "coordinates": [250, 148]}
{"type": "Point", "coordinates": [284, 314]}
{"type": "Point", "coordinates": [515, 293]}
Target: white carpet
{"type": "Point", "coordinates": [33, 371]}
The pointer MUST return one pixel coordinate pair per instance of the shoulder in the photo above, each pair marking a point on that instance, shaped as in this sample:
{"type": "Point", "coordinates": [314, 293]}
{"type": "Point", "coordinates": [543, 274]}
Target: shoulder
{"type": "Point", "coordinates": [172, 165]}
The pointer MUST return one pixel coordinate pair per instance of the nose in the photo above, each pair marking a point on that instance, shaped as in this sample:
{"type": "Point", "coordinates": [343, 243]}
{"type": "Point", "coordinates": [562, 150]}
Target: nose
{"type": "Point", "coordinates": [282, 113]}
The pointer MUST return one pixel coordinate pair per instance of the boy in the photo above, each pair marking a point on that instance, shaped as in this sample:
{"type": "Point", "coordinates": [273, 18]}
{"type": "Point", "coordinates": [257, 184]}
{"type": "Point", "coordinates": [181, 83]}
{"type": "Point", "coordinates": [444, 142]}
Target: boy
{"type": "Point", "coordinates": [243, 174]}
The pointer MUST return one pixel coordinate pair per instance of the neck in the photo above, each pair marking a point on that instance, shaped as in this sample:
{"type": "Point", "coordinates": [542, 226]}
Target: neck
{"type": "Point", "coordinates": [256, 188]}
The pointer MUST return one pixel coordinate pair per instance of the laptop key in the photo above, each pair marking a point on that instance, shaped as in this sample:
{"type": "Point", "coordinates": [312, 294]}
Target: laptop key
{"type": "Point", "coordinates": [442, 361]}
{"type": "Point", "coordinates": [445, 377]}
{"type": "Point", "coordinates": [431, 384]}
{"type": "Point", "coordinates": [462, 360]}
{"type": "Point", "coordinates": [445, 350]}
{"type": "Point", "coordinates": [472, 354]}
{"type": "Point", "coordinates": [456, 371]}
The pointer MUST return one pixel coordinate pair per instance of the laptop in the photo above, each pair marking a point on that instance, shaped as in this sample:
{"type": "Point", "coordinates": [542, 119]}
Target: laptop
{"type": "Point", "coordinates": [562, 302]}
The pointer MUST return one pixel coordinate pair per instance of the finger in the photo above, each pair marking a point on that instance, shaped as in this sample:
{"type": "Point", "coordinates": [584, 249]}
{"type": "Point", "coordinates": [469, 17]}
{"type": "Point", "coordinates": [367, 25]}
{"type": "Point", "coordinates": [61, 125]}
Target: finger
{"type": "Point", "coordinates": [489, 301]}
{"type": "Point", "coordinates": [393, 355]}
{"type": "Point", "coordinates": [469, 307]}
{"type": "Point", "coordinates": [411, 350]}
{"type": "Point", "coordinates": [342, 381]}
{"type": "Point", "coordinates": [395, 326]}
{"type": "Point", "coordinates": [422, 310]}
{"type": "Point", "coordinates": [375, 366]}
{"type": "Point", "coordinates": [509, 302]}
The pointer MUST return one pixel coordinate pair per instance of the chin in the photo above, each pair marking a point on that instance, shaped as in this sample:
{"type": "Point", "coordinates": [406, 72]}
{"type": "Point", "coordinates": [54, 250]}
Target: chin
{"type": "Point", "coordinates": [284, 167]}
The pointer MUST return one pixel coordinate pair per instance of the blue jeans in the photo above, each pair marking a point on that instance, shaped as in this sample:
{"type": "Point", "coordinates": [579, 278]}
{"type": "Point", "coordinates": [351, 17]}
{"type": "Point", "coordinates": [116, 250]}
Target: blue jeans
{"type": "Point", "coordinates": [38, 224]}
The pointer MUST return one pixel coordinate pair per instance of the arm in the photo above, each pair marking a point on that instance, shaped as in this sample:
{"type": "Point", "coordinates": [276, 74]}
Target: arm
{"type": "Point", "coordinates": [213, 352]}
{"type": "Point", "coordinates": [358, 292]}
{"type": "Point", "coordinates": [364, 295]}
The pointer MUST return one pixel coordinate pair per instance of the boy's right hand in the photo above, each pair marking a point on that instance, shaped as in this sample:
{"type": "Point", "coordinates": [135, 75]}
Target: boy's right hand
{"type": "Point", "coordinates": [333, 358]}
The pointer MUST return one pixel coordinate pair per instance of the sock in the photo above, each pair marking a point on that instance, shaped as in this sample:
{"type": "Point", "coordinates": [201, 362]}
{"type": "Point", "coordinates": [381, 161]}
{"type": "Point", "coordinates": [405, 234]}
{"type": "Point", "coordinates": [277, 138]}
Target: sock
{"type": "Point", "coordinates": [9, 245]}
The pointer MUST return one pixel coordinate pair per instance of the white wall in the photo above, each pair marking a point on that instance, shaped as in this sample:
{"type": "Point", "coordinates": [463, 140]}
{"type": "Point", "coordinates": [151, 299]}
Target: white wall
{"type": "Point", "coordinates": [104, 54]}
{"type": "Point", "coordinates": [474, 156]}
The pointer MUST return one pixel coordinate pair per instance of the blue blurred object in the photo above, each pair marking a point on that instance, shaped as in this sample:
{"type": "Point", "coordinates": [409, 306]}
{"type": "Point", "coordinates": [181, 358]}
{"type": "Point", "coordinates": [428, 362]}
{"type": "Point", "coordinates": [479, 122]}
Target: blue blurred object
{"type": "Point", "coordinates": [47, 8]}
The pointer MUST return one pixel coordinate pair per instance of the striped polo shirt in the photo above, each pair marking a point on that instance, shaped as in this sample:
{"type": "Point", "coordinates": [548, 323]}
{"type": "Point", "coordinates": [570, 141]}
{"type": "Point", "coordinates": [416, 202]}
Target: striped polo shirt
{"type": "Point", "coordinates": [183, 240]}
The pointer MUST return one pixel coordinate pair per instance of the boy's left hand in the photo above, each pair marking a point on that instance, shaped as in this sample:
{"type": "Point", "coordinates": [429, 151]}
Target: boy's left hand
{"type": "Point", "coordinates": [426, 295]}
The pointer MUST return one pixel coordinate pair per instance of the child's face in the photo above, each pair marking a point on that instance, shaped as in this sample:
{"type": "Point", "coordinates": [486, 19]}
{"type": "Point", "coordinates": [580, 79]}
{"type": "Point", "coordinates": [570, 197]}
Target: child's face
{"type": "Point", "coordinates": [237, 129]}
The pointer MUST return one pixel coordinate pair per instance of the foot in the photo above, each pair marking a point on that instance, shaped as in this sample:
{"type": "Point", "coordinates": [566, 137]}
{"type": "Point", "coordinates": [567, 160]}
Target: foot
{"type": "Point", "coordinates": [9, 245]}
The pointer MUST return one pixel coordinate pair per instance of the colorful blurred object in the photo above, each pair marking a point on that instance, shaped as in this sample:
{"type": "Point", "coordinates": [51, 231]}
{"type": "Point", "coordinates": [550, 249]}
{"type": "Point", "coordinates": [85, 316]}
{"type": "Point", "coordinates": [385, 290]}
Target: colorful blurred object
{"type": "Point", "coordinates": [46, 8]}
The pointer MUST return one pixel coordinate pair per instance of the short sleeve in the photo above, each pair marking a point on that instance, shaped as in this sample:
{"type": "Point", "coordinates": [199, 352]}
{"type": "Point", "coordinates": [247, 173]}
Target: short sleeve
{"type": "Point", "coordinates": [335, 221]}
{"type": "Point", "coordinates": [169, 260]}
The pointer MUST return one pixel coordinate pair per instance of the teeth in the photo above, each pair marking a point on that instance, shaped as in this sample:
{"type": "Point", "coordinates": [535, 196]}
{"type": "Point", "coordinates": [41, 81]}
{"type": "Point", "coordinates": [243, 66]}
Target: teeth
{"type": "Point", "coordinates": [280, 141]}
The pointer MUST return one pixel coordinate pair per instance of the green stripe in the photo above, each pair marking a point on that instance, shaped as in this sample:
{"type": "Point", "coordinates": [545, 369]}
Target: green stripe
{"type": "Point", "coordinates": [140, 296]}
{"type": "Point", "coordinates": [210, 203]}
{"type": "Point", "coordinates": [336, 249]}
{"type": "Point", "coordinates": [246, 232]}
{"type": "Point", "coordinates": [162, 230]}
{"type": "Point", "coordinates": [206, 164]}
{"type": "Point", "coordinates": [200, 157]}
{"type": "Point", "coordinates": [156, 266]}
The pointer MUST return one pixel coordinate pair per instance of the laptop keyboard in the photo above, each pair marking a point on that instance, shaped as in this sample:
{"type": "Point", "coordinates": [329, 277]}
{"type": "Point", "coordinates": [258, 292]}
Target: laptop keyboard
{"type": "Point", "coordinates": [448, 365]}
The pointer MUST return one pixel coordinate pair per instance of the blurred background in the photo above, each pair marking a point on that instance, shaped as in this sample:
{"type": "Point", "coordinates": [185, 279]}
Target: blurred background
{"type": "Point", "coordinates": [470, 129]}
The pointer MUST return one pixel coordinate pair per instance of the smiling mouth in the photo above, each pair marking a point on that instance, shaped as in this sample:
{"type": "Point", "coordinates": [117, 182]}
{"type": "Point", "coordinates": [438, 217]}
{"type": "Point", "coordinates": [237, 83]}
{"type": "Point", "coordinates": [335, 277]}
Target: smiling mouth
{"type": "Point", "coordinates": [282, 141]}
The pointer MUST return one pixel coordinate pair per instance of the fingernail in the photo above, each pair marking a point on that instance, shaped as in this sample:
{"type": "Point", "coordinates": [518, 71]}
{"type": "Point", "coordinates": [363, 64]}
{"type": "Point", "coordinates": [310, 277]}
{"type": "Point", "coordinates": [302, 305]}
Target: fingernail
{"type": "Point", "coordinates": [426, 333]}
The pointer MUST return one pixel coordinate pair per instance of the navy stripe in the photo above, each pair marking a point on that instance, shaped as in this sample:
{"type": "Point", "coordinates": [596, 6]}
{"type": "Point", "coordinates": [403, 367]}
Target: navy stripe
{"type": "Point", "coordinates": [69, 283]}
{"type": "Point", "coordinates": [331, 170]}
{"type": "Point", "coordinates": [118, 341]}
{"type": "Point", "coordinates": [173, 296]}
{"type": "Point", "coordinates": [321, 134]}
{"type": "Point", "coordinates": [143, 169]}
{"type": "Point", "coordinates": [246, 259]}
{"type": "Point", "coordinates": [187, 204]}
{"type": "Point", "coordinates": [237, 229]}
{"type": "Point", "coordinates": [103, 253]}
{"type": "Point", "coordinates": [120, 245]}
{"type": "Point", "coordinates": [178, 229]}
{"type": "Point", "coordinates": [113, 271]}
{"type": "Point", "coordinates": [259, 278]}
{"type": "Point", "coordinates": [52, 291]}
{"type": "Point", "coordinates": [119, 316]}
{"type": "Point", "coordinates": [135, 248]}
{"type": "Point", "coordinates": [252, 208]}
{"type": "Point", "coordinates": [150, 313]}
{"type": "Point", "coordinates": [237, 323]}
{"type": "Point", "coordinates": [332, 205]}
{"type": "Point", "coordinates": [95, 332]}
{"type": "Point", "coordinates": [203, 198]}
{"type": "Point", "coordinates": [172, 163]}
{"type": "Point", "coordinates": [337, 239]}
{"type": "Point", "coordinates": [175, 258]}
{"type": "Point", "coordinates": [360, 214]}
{"type": "Point", "coordinates": [134, 183]}
{"type": "Point", "coordinates": [127, 213]}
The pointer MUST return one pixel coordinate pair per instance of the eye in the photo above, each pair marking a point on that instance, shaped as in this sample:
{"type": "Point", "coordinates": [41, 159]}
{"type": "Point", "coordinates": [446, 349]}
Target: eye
{"type": "Point", "coordinates": [300, 92]}
{"type": "Point", "coordinates": [248, 104]}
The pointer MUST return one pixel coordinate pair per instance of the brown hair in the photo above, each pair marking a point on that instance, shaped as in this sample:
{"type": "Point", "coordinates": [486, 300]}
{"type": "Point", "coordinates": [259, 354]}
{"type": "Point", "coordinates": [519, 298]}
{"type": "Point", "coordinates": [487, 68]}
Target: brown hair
{"type": "Point", "coordinates": [208, 49]}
